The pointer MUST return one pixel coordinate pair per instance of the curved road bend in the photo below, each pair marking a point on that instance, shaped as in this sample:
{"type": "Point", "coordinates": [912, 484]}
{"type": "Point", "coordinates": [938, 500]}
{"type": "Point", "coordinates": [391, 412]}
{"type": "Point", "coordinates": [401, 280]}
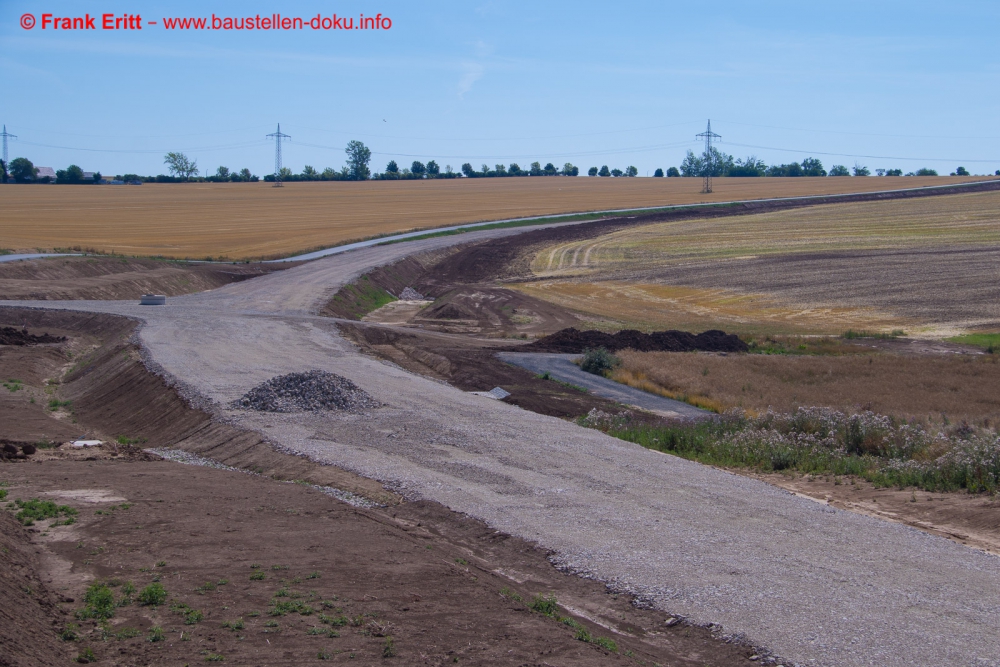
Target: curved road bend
{"type": "Point", "coordinates": [813, 584]}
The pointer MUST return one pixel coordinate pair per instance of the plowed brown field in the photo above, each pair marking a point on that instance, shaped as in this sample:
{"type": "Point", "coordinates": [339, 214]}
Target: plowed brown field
{"type": "Point", "coordinates": [255, 220]}
{"type": "Point", "coordinates": [924, 265]}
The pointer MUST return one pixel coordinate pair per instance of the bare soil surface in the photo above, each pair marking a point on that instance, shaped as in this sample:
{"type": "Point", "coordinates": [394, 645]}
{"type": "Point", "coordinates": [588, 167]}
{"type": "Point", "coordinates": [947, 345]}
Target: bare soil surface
{"type": "Point", "coordinates": [443, 586]}
{"type": "Point", "coordinates": [62, 278]}
{"type": "Point", "coordinates": [472, 365]}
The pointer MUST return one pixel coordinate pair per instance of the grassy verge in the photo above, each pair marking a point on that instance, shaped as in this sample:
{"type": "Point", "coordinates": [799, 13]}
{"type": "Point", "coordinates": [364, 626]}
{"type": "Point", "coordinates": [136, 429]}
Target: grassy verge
{"type": "Point", "coordinates": [875, 447]}
{"type": "Point", "coordinates": [988, 341]}
{"type": "Point", "coordinates": [363, 296]}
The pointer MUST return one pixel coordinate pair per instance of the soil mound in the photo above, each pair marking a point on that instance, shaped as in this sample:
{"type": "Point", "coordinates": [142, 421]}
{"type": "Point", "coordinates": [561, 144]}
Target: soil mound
{"type": "Point", "coordinates": [307, 392]}
{"type": "Point", "coordinates": [574, 341]}
{"type": "Point", "coordinates": [12, 336]}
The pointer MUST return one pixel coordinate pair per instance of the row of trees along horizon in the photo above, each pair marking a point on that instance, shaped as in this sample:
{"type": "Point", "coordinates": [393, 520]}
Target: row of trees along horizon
{"type": "Point", "coordinates": [714, 163]}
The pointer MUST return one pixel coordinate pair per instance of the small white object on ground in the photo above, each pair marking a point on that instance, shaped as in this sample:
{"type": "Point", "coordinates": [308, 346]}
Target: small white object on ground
{"type": "Point", "coordinates": [495, 393]}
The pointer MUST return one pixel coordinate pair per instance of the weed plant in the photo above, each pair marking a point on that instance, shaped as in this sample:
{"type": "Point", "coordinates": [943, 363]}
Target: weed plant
{"type": "Point", "coordinates": [37, 510]}
{"type": "Point", "coordinates": [599, 361]}
{"type": "Point", "coordinates": [883, 450]}
{"type": "Point", "coordinates": [153, 595]}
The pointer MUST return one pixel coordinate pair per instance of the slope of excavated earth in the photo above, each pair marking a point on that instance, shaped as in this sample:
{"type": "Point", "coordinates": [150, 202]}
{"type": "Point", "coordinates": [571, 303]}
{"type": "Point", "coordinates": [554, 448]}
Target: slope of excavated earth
{"type": "Point", "coordinates": [574, 341]}
{"type": "Point", "coordinates": [61, 278]}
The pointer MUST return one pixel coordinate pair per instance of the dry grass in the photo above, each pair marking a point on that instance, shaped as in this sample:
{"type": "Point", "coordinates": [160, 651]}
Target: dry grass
{"type": "Point", "coordinates": [922, 387]}
{"type": "Point", "coordinates": [914, 264]}
{"type": "Point", "coordinates": [255, 220]}
{"type": "Point", "coordinates": [649, 307]}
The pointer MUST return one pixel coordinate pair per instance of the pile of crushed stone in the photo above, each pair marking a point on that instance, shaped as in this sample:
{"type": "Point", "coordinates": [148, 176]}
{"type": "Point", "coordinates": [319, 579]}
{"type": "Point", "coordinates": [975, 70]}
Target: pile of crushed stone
{"type": "Point", "coordinates": [575, 341]}
{"type": "Point", "coordinates": [410, 294]}
{"type": "Point", "coordinates": [12, 336]}
{"type": "Point", "coordinates": [307, 392]}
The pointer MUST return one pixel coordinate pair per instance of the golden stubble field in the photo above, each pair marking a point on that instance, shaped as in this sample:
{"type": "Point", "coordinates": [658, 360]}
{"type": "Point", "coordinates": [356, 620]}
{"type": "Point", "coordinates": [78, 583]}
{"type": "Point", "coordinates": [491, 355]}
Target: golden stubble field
{"type": "Point", "coordinates": [924, 265]}
{"type": "Point", "coordinates": [256, 220]}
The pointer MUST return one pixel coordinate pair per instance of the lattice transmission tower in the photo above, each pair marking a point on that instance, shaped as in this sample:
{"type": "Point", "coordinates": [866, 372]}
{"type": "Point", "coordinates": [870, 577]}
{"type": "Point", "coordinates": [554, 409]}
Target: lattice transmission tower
{"type": "Point", "coordinates": [708, 135]}
{"type": "Point", "coordinates": [5, 136]}
{"type": "Point", "coordinates": [277, 136]}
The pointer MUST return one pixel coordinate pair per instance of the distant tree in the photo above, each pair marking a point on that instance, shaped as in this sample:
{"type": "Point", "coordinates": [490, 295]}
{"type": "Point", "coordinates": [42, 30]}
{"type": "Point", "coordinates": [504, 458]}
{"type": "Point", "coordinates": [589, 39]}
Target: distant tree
{"type": "Point", "coordinates": [692, 165]}
{"type": "Point", "coordinates": [468, 171]}
{"type": "Point", "coordinates": [793, 169]}
{"type": "Point", "coordinates": [358, 157]}
{"type": "Point", "coordinates": [433, 169]}
{"type": "Point", "coordinates": [485, 170]}
{"type": "Point", "coordinates": [286, 174]}
{"type": "Point", "coordinates": [893, 172]}
{"type": "Point", "coordinates": [961, 171]}
{"type": "Point", "coordinates": [604, 171]}
{"type": "Point", "coordinates": [592, 171]}
{"type": "Point", "coordinates": [448, 169]}
{"type": "Point", "coordinates": [129, 178]}
{"type": "Point", "coordinates": [180, 166]}
{"type": "Point", "coordinates": [812, 167]}
{"type": "Point", "coordinates": [418, 168]}
{"type": "Point", "coordinates": [750, 166]}
{"type": "Point", "coordinates": [997, 173]}
{"type": "Point", "coordinates": [21, 170]}
{"type": "Point", "coordinates": [514, 169]}
{"type": "Point", "coordinates": [569, 170]}
{"type": "Point", "coordinates": [617, 172]}
{"type": "Point", "coordinates": [673, 172]}
{"type": "Point", "coordinates": [97, 177]}
{"type": "Point", "coordinates": [839, 170]}
{"type": "Point", "coordinates": [550, 169]}
{"type": "Point", "coordinates": [658, 173]}
{"type": "Point", "coordinates": [499, 170]}
{"type": "Point", "coordinates": [309, 173]}
{"type": "Point", "coordinates": [392, 167]}
{"type": "Point", "coordinates": [3, 170]}
{"type": "Point", "coordinates": [861, 170]}
{"type": "Point", "coordinates": [926, 172]}
{"type": "Point", "coordinates": [536, 169]}
{"type": "Point", "coordinates": [631, 171]}
{"type": "Point", "coordinates": [71, 175]}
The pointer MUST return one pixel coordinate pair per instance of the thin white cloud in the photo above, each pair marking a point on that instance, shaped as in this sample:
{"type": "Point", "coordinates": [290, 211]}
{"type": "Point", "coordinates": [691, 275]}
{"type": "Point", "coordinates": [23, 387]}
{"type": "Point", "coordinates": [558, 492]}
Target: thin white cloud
{"type": "Point", "coordinates": [471, 72]}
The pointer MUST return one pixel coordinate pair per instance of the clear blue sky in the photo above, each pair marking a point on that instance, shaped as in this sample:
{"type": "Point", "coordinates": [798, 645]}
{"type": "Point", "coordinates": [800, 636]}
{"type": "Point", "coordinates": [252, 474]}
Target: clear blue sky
{"type": "Point", "coordinates": [588, 83]}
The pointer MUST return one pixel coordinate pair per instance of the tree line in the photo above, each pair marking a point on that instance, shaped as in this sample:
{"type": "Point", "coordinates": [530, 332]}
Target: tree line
{"type": "Point", "coordinates": [713, 163]}
{"type": "Point", "coordinates": [717, 163]}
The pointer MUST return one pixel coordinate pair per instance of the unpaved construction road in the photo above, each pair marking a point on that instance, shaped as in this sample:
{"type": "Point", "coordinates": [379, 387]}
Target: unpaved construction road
{"type": "Point", "coordinates": [813, 584]}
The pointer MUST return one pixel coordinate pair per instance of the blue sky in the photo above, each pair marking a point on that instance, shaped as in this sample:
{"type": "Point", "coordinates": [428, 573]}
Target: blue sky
{"type": "Point", "coordinates": [886, 84]}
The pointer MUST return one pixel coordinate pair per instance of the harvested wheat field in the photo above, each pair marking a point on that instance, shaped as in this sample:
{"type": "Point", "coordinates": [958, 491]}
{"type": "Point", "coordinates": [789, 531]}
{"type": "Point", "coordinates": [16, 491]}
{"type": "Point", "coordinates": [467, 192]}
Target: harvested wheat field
{"type": "Point", "coordinates": [956, 386]}
{"type": "Point", "coordinates": [929, 266]}
{"type": "Point", "coordinates": [255, 220]}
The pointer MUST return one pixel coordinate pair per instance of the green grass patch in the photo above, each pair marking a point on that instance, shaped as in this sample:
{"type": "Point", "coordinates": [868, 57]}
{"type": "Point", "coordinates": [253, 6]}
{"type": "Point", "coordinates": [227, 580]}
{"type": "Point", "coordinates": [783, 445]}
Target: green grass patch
{"type": "Point", "coordinates": [34, 510]}
{"type": "Point", "coordinates": [990, 342]}
{"type": "Point", "coordinates": [13, 384]}
{"type": "Point", "coordinates": [153, 595]}
{"type": "Point", "coordinates": [99, 602]}
{"type": "Point", "coordinates": [819, 441]}
{"type": "Point", "coordinates": [878, 335]}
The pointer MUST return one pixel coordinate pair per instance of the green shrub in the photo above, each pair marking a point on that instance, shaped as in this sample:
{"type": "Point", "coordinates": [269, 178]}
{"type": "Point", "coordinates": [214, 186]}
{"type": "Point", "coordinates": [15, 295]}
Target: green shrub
{"type": "Point", "coordinates": [99, 601]}
{"type": "Point", "coordinates": [37, 510]}
{"type": "Point", "coordinates": [154, 594]}
{"type": "Point", "coordinates": [599, 361]}
{"type": "Point", "coordinates": [86, 656]}
{"type": "Point", "coordinates": [155, 634]}
{"type": "Point", "coordinates": [544, 605]}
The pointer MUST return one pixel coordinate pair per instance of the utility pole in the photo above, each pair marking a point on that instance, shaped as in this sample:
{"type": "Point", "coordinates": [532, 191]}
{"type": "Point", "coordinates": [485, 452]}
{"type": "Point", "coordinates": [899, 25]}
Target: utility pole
{"type": "Point", "coordinates": [5, 136]}
{"type": "Point", "coordinates": [708, 135]}
{"type": "Point", "coordinates": [278, 136]}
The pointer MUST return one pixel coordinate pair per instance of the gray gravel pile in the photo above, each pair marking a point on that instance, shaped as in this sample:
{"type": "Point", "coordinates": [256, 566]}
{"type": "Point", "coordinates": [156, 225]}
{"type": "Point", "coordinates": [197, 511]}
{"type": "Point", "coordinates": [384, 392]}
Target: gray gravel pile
{"type": "Point", "coordinates": [307, 392]}
{"type": "Point", "coordinates": [410, 294]}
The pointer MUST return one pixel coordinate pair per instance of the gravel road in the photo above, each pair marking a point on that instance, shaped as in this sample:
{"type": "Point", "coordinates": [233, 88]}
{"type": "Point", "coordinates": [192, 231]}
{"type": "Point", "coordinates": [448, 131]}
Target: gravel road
{"type": "Point", "coordinates": [561, 367]}
{"type": "Point", "coordinates": [816, 585]}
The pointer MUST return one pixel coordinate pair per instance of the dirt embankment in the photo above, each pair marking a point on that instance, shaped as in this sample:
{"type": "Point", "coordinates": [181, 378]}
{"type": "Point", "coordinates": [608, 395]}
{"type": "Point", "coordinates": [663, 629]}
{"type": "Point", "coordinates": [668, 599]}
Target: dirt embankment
{"type": "Point", "coordinates": [570, 341]}
{"type": "Point", "coordinates": [66, 278]}
{"type": "Point", "coordinates": [327, 578]}
{"type": "Point", "coordinates": [30, 620]}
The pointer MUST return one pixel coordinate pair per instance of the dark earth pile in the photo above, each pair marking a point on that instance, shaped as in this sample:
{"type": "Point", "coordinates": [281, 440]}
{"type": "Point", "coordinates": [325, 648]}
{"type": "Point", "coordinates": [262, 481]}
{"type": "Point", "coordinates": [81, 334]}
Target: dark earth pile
{"type": "Point", "coordinates": [307, 392]}
{"type": "Point", "coordinates": [575, 341]}
{"type": "Point", "coordinates": [12, 336]}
